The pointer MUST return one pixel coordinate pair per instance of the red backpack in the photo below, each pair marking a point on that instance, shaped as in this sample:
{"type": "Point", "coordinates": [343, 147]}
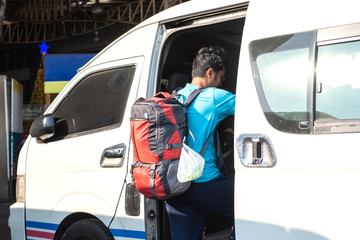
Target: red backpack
{"type": "Point", "coordinates": [158, 129]}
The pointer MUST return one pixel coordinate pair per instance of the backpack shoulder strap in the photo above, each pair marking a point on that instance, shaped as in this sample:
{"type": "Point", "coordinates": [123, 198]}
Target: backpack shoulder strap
{"type": "Point", "coordinates": [219, 157]}
{"type": "Point", "coordinates": [165, 95]}
{"type": "Point", "coordinates": [192, 96]}
{"type": "Point", "coordinates": [202, 151]}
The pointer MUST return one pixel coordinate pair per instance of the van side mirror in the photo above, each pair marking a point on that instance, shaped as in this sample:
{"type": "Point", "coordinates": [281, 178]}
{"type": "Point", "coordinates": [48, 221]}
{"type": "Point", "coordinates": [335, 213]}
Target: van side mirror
{"type": "Point", "coordinates": [43, 127]}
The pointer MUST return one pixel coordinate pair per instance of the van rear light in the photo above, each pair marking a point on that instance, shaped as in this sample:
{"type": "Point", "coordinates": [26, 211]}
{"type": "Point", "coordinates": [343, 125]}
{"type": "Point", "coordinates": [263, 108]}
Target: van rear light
{"type": "Point", "coordinates": [20, 188]}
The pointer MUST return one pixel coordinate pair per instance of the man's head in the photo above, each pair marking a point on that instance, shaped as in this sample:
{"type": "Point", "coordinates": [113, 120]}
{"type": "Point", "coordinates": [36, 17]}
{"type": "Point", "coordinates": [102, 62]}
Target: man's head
{"type": "Point", "coordinates": [209, 64]}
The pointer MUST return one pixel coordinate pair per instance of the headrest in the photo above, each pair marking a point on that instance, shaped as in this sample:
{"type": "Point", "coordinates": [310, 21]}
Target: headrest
{"type": "Point", "coordinates": [177, 80]}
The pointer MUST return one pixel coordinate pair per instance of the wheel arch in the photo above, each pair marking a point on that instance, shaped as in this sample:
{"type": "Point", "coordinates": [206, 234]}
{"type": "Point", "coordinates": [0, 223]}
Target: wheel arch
{"type": "Point", "coordinates": [69, 220]}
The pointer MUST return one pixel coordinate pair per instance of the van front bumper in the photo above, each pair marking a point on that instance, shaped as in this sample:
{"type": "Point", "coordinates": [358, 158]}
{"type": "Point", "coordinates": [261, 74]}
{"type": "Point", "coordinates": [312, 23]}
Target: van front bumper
{"type": "Point", "coordinates": [17, 221]}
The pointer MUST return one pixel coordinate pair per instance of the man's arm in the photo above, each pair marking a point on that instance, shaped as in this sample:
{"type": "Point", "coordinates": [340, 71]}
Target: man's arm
{"type": "Point", "coordinates": [224, 103]}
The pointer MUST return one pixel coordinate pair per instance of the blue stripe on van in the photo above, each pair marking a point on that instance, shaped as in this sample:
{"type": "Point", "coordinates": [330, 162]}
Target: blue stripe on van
{"type": "Point", "coordinates": [128, 233]}
{"type": "Point", "coordinates": [42, 225]}
{"type": "Point", "coordinates": [114, 232]}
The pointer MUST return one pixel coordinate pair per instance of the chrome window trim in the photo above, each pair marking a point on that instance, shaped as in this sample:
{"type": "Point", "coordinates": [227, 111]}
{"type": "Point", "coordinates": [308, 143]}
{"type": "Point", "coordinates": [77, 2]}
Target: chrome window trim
{"type": "Point", "coordinates": [344, 33]}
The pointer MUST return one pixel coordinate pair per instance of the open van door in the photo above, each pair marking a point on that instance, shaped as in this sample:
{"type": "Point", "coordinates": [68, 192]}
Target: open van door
{"type": "Point", "coordinates": [78, 163]}
{"type": "Point", "coordinates": [82, 167]}
{"type": "Point", "coordinates": [297, 122]}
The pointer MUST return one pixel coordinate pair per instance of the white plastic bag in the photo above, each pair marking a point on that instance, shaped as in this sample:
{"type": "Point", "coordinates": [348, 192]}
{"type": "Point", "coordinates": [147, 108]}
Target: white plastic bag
{"type": "Point", "coordinates": [191, 165]}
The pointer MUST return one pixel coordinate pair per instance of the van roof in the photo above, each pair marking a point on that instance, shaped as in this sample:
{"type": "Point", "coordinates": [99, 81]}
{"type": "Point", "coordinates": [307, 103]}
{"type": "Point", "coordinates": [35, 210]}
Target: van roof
{"type": "Point", "coordinates": [183, 10]}
{"type": "Point", "coordinates": [191, 8]}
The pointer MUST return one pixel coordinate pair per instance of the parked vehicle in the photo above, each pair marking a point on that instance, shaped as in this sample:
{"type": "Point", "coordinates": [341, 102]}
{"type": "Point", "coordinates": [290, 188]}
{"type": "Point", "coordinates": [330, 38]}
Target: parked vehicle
{"type": "Point", "coordinates": [291, 146]}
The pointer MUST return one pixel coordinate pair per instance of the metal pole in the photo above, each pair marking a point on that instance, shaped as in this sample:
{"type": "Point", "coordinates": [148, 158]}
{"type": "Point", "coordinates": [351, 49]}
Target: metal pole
{"type": "Point", "coordinates": [2, 15]}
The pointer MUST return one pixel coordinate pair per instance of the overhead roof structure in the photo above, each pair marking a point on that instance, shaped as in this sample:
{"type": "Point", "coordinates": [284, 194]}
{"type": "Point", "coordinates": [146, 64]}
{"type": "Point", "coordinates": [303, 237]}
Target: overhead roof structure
{"type": "Point", "coordinates": [34, 21]}
{"type": "Point", "coordinates": [67, 26]}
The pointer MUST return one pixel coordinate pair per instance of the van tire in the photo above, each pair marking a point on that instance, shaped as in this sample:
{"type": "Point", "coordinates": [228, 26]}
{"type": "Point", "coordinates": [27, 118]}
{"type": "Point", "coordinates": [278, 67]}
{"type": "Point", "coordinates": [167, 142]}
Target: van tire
{"type": "Point", "coordinates": [87, 229]}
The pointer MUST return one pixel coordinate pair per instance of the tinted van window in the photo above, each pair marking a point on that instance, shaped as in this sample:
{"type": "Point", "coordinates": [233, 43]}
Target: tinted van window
{"type": "Point", "coordinates": [98, 101]}
{"type": "Point", "coordinates": [282, 71]}
{"type": "Point", "coordinates": [338, 81]}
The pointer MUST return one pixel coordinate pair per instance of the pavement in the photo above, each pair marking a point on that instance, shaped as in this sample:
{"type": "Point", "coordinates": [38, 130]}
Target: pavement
{"type": "Point", "coordinates": [4, 216]}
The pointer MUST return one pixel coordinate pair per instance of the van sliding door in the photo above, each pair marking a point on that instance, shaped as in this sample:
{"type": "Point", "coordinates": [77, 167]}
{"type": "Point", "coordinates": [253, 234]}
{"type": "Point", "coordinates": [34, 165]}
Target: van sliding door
{"type": "Point", "coordinates": [297, 122]}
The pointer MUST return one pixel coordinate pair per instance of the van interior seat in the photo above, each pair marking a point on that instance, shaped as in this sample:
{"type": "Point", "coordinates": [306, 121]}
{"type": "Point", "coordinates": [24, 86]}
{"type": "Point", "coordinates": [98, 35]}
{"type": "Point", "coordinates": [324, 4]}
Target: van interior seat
{"type": "Point", "coordinates": [177, 80]}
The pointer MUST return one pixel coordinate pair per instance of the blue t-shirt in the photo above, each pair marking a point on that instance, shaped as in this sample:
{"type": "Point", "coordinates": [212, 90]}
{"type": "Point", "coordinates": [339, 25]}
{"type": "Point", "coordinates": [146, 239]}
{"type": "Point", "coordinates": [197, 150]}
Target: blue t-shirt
{"type": "Point", "coordinates": [210, 107]}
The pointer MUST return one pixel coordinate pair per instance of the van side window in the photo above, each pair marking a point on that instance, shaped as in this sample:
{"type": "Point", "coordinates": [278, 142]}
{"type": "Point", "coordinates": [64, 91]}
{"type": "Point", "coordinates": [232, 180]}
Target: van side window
{"type": "Point", "coordinates": [98, 101]}
{"type": "Point", "coordinates": [338, 81]}
{"type": "Point", "coordinates": [282, 71]}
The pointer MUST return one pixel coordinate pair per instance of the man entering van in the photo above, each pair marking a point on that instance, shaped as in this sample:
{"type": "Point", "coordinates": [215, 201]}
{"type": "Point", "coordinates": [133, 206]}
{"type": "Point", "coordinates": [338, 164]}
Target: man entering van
{"type": "Point", "coordinates": [213, 191]}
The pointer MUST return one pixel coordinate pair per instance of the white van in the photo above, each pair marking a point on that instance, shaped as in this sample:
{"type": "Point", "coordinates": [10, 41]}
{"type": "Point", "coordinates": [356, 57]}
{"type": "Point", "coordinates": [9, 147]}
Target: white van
{"type": "Point", "coordinates": [293, 150]}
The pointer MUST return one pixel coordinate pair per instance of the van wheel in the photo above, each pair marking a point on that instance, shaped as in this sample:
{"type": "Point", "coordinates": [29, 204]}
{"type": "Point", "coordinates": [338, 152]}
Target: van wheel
{"type": "Point", "coordinates": [87, 229]}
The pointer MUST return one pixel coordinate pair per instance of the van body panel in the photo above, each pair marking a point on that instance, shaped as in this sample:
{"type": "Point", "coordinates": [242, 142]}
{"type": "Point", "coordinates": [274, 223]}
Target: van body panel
{"type": "Point", "coordinates": [308, 193]}
{"type": "Point", "coordinates": [66, 174]}
{"type": "Point", "coordinates": [291, 17]}
{"type": "Point", "coordinates": [17, 220]}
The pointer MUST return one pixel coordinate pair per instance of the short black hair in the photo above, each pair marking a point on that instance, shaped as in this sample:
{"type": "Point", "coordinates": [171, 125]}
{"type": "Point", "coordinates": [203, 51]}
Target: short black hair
{"type": "Point", "coordinates": [208, 57]}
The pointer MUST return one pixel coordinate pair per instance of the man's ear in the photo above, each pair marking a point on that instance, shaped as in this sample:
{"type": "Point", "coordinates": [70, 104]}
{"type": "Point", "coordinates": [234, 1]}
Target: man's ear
{"type": "Point", "coordinates": [210, 73]}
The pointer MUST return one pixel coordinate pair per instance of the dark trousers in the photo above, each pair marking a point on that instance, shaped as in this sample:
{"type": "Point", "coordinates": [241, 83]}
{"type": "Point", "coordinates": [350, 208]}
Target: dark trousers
{"type": "Point", "coordinates": [188, 212]}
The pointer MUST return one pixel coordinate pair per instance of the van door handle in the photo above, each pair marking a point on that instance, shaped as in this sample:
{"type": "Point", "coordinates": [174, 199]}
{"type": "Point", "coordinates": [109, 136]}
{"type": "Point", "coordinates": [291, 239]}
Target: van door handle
{"type": "Point", "coordinates": [256, 151]}
{"type": "Point", "coordinates": [113, 156]}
